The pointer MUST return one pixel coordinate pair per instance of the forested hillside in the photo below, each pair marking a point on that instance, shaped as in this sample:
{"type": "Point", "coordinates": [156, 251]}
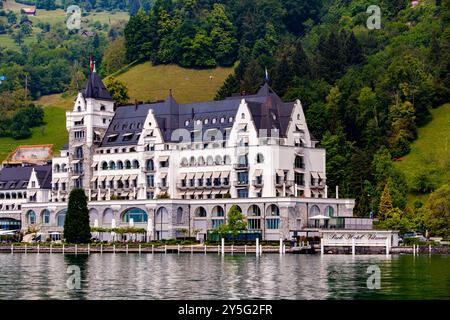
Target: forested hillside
{"type": "Point", "coordinates": [365, 91]}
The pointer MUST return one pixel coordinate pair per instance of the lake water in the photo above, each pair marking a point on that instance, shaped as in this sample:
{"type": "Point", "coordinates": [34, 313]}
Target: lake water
{"type": "Point", "coordinates": [198, 276]}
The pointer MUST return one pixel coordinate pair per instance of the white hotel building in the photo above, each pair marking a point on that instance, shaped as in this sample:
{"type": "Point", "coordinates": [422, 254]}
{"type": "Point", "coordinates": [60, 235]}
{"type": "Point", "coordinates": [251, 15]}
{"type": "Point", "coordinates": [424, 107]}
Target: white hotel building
{"type": "Point", "coordinates": [176, 169]}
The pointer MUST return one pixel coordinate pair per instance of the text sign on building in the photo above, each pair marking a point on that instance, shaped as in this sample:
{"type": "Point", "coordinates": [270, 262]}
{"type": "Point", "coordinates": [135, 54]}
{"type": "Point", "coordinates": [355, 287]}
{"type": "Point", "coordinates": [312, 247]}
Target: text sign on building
{"type": "Point", "coordinates": [359, 238]}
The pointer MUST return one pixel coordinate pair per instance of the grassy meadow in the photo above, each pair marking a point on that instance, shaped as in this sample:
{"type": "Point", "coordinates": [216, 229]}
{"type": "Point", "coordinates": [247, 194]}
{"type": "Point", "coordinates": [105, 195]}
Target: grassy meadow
{"type": "Point", "coordinates": [430, 153]}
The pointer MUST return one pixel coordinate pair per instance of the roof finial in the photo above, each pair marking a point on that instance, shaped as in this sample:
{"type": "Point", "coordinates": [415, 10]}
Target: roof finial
{"type": "Point", "coordinates": [170, 92]}
{"type": "Point", "coordinates": [90, 63]}
{"type": "Point", "coordinates": [94, 68]}
{"type": "Point", "coordinates": [267, 76]}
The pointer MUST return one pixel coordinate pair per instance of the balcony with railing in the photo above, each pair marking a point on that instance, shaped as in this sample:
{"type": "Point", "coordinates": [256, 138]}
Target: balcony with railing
{"type": "Point", "coordinates": [242, 183]}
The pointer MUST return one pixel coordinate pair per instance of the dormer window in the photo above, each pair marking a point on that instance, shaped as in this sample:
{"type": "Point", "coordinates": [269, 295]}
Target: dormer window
{"type": "Point", "coordinates": [242, 115]}
{"type": "Point", "coordinates": [102, 107]}
{"type": "Point", "coordinates": [186, 123]}
{"type": "Point", "coordinates": [230, 119]}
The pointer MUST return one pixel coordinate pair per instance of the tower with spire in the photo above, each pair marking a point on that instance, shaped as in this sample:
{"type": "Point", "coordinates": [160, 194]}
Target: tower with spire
{"type": "Point", "coordinates": [87, 123]}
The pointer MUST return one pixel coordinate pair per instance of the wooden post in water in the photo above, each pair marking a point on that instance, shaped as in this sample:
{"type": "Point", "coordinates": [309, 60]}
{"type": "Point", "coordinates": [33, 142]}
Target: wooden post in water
{"type": "Point", "coordinates": [321, 246]}
{"type": "Point", "coordinates": [126, 249]}
{"type": "Point", "coordinates": [429, 248]}
{"type": "Point", "coordinates": [165, 248]}
{"type": "Point", "coordinates": [218, 249]}
{"type": "Point", "coordinates": [232, 249]}
{"type": "Point", "coordinates": [114, 248]}
{"type": "Point", "coordinates": [192, 249]}
{"type": "Point", "coordinates": [25, 248]}
{"type": "Point", "coordinates": [257, 246]}
{"type": "Point", "coordinates": [387, 247]}
{"type": "Point", "coordinates": [101, 248]}
{"type": "Point", "coordinates": [284, 249]}
{"type": "Point", "coordinates": [139, 248]}
{"type": "Point", "coordinates": [38, 248]}
{"type": "Point", "coordinates": [205, 248]}
{"type": "Point", "coordinates": [414, 249]}
{"type": "Point", "coordinates": [353, 247]}
{"type": "Point", "coordinates": [245, 249]}
{"type": "Point", "coordinates": [12, 248]}
{"type": "Point", "coordinates": [260, 249]}
{"type": "Point", "coordinates": [281, 246]}
{"type": "Point", "coordinates": [178, 249]}
{"type": "Point", "coordinates": [223, 246]}
{"type": "Point", "coordinates": [76, 249]}
{"type": "Point", "coordinates": [51, 248]}
{"type": "Point", "coordinates": [89, 249]}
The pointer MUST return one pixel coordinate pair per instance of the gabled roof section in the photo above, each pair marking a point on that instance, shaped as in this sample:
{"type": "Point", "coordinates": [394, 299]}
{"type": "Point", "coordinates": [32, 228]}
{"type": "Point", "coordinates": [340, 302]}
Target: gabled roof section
{"type": "Point", "coordinates": [268, 111]}
{"type": "Point", "coordinates": [95, 88]}
{"type": "Point", "coordinates": [15, 178]}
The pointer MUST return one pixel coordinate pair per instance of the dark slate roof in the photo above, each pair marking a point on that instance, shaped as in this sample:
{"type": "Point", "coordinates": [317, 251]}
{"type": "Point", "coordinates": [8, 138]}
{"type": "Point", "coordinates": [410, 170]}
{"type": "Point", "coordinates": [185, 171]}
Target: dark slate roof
{"type": "Point", "coordinates": [65, 147]}
{"type": "Point", "coordinates": [95, 88]}
{"type": "Point", "coordinates": [14, 178]}
{"type": "Point", "coordinates": [268, 111]}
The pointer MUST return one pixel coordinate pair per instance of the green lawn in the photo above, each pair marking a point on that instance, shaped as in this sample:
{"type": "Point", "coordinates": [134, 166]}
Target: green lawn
{"type": "Point", "coordinates": [430, 152]}
{"type": "Point", "coordinates": [53, 132]}
{"type": "Point", "coordinates": [149, 83]}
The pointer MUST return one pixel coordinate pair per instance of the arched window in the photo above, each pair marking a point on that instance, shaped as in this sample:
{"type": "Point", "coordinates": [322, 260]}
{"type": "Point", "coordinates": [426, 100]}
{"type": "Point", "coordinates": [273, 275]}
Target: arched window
{"type": "Point", "coordinates": [108, 216]}
{"type": "Point", "coordinates": [119, 165]}
{"type": "Point", "coordinates": [128, 164]}
{"type": "Point", "coordinates": [218, 211]}
{"type": "Point", "coordinates": [179, 215]}
{"type": "Point", "coordinates": [112, 165]}
{"type": "Point", "coordinates": [93, 216]}
{"type": "Point", "coordinates": [200, 212]}
{"type": "Point", "coordinates": [150, 165]}
{"type": "Point", "coordinates": [254, 211]}
{"type": "Point", "coordinates": [201, 161]}
{"type": "Point", "coordinates": [102, 108]}
{"type": "Point", "coordinates": [45, 216]}
{"type": "Point", "coordinates": [222, 119]}
{"type": "Point", "coordinates": [135, 164]}
{"type": "Point", "coordinates": [259, 158]}
{"type": "Point", "coordinates": [138, 215]}
{"type": "Point", "coordinates": [31, 217]}
{"type": "Point", "coordinates": [230, 119]}
{"type": "Point", "coordinates": [242, 115]}
{"type": "Point", "coordinates": [329, 211]}
{"type": "Point", "coordinates": [56, 168]}
{"type": "Point", "coordinates": [61, 218]}
{"type": "Point", "coordinates": [314, 210]}
{"type": "Point", "coordinates": [299, 162]}
{"type": "Point", "coordinates": [218, 160]}
{"type": "Point", "coordinates": [209, 161]}
{"type": "Point", "coordinates": [298, 116]}
{"type": "Point", "coordinates": [273, 210]}
{"type": "Point", "coordinates": [162, 216]}
{"type": "Point", "coordinates": [192, 161]}
{"type": "Point", "coordinates": [227, 159]}
{"type": "Point", "coordinates": [104, 165]}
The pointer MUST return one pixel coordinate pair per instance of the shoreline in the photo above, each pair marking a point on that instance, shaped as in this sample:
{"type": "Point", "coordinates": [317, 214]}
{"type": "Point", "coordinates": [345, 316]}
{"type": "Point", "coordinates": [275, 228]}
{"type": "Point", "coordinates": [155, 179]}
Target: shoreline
{"type": "Point", "coordinates": [195, 249]}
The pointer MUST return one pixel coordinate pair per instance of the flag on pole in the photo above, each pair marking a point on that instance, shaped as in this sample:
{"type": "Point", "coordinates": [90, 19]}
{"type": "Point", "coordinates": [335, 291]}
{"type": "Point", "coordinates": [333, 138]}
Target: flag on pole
{"type": "Point", "coordinates": [91, 66]}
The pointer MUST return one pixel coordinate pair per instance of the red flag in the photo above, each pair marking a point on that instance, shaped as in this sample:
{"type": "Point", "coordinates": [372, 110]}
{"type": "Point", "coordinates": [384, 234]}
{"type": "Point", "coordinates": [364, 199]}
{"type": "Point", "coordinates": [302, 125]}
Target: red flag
{"type": "Point", "coordinates": [91, 66]}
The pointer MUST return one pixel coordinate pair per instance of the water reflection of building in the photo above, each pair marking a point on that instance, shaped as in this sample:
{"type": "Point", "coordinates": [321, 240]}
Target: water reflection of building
{"type": "Point", "coordinates": [176, 169]}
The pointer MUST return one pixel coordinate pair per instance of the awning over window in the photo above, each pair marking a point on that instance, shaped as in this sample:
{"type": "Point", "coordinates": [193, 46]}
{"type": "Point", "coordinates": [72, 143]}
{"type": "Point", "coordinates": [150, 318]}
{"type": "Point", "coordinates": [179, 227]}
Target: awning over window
{"type": "Point", "coordinates": [223, 192]}
{"type": "Point", "coordinates": [321, 175]}
{"type": "Point", "coordinates": [214, 192]}
{"type": "Point", "coordinates": [298, 170]}
{"type": "Point", "coordinates": [182, 176]}
{"type": "Point", "coordinates": [117, 178]}
{"type": "Point", "coordinates": [133, 177]}
{"type": "Point", "coordinates": [280, 172]}
{"type": "Point", "coordinates": [225, 174]}
{"type": "Point", "coordinates": [207, 175]}
{"type": "Point", "coordinates": [97, 132]}
{"type": "Point", "coordinates": [126, 177]}
{"type": "Point", "coordinates": [32, 193]}
{"type": "Point", "coordinates": [216, 175]}
{"type": "Point", "coordinates": [56, 181]}
{"type": "Point", "coordinates": [110, 178]}
{"type": "Point", "coordinates": [258, 172]}
{"type": "Point", "coordinates": [297, 140]}
{"type": "Point", "coordinates": [206, 192]}
{"type": "Point", "coordinates": [75, 161]}
{"type": "Point", "coordinates": [125, 194]}
{"type": "Point", "coordinates": [190, 175]}
{"type": "Point", "coordinates": [163, 158]}
{"type": "Point", "coordinates": [94, 164]}
{"type": "Point", "coordinates": [163, 175]}
{"type": "Point", "coordinates": [189, 193]}
{"type": "Point", "coordinates": [127, 134]}
{"type": "Point", "coordinates": [94, 179]}
{"type": "Point", "coordinates": [93, 195]}
{"type": "Point", "coordinates": [102, 178]}
{"type": "Point", "coordinates": [314, 175]}
{"type": "Point", "coordinates": [198, 175]}
{"type": "Point", "coordinates": [242, 126]}
{"type": "Point", "coordinates": [198, 193]}
{"type": "Point", "coordinates": [113, 135]}
{"type": "Point", "coordinates": [74, 177]}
